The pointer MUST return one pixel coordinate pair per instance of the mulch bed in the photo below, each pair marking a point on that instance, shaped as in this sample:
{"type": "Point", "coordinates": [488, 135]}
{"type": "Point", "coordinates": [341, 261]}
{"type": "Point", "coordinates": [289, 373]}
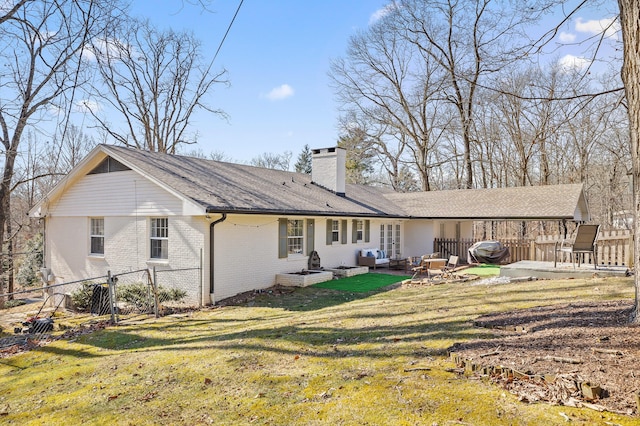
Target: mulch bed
{"type": "Point", "coordinates": [580, 354]}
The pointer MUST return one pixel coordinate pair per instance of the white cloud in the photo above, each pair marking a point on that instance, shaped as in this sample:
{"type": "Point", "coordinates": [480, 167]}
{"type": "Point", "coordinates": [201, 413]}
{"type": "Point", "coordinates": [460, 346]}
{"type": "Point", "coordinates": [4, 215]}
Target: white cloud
{"type": "Point", "coordinates": [567, 37]}
{"type": "Point", "coordinates": [87, 54]}
{"type": "Point", "coordinates": [610, 26]}
{"type": "Point", "coordinates": [573, 63]}
{"type": "Point", "coordinates": [281, 92]}
{"type": "Point", "coordinates": [86, 105]}
{"type": "Point", "coordinates": [113, 48]}
{"type": "Point", "coordinates": [381, 13]}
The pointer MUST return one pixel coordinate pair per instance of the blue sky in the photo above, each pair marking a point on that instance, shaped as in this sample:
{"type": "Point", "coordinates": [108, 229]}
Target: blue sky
{"type": "Point", "coordinates": [277, 54]}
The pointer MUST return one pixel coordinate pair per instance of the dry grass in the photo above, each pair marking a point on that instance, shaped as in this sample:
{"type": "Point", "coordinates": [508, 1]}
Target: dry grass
{"type": "Point", "coordinates": [314, 356]}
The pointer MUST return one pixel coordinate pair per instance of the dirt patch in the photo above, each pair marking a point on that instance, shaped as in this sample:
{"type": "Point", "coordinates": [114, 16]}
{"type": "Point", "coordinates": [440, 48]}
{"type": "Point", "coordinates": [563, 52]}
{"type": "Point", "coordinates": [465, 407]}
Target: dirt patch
{"type": "Point", "coordinates": [13, 345]}
{"type": "Point", "coordinates": [248, 296]}
{"type": "Point", "coordinates": [584, 354]}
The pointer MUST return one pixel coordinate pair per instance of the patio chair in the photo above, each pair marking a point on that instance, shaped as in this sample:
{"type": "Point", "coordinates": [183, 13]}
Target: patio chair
{"type": "Point", "coordinates": [423, 265]}
{"type": "Point", "coordinates": [583, 242]}
{"type": "Point", "coordinates": [447, 269]}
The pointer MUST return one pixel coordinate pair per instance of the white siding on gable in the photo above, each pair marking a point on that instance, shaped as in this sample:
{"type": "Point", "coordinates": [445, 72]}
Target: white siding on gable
{"type": "Point", "coordinates": [123, 193]}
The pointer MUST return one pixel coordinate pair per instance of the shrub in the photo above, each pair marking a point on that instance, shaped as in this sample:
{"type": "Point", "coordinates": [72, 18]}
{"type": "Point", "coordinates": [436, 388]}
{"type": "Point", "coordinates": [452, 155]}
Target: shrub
{"type": "Point", "coordinates": [139, 294]}
{"type": "Point", "coordinates": [81, 297]}
{"type": "Point", "coordinates": [13, 303]}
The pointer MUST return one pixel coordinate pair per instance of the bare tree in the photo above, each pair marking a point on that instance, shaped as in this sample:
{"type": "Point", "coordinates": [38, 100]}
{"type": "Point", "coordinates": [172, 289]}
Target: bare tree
{"type": "Point", "coordinates": [468, 40]}
{"type": "Point", "coordinates": [154, 81]}
{"type": "Point", "coordinates": [41, 43]}
{"type": "Point", "coordinates": [269, 160]}
{"type": "Point", "coordinates": [9, 12]}
{"type": "Point", "coordinates": [630, 25]}
{"type": "Point", "coordinates": [391, 92]}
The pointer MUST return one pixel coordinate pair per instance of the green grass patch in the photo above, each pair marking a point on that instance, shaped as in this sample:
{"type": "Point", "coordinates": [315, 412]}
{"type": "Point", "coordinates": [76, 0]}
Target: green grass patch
{"type": "Point", "coordinates": [483, 270]}
{"type": "Point", "coordinates": [362, 283]}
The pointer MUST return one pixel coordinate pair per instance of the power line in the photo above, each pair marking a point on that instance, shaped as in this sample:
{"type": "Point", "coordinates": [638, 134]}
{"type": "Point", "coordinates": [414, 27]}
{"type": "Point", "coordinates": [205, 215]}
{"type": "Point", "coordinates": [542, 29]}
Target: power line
{"type": "Point", "coordinates": [227, 32]}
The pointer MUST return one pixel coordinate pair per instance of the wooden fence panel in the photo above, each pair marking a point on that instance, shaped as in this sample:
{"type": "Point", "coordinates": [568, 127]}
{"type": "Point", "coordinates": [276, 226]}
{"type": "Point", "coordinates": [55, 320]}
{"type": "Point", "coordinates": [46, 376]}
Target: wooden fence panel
{"type": "Point", "coordinates": [615, 248]}
{"type": "Point", "coordinates": [518, 249]}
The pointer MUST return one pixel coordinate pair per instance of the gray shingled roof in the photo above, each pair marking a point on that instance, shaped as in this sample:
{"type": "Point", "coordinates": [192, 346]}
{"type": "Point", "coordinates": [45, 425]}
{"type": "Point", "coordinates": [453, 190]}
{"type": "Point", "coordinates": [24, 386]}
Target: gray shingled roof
{"type": "Point", "coordinates": [529, 202]}
{"type": "Point", "coordinates": [228, 187]}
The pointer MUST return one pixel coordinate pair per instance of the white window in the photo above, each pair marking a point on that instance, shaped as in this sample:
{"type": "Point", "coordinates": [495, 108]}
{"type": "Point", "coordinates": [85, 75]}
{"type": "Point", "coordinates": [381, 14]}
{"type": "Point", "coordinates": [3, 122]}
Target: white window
{"type": "Point", "coordinates": [160, 238]}
{"type": "Point", "coordinates": [335, 231]}
{"type": "Point", "coordinates": [295, 236]}
{"type": "Point", "coordinates": [97, 235]}
{"type": "Point", "coordinates": [359, 230]}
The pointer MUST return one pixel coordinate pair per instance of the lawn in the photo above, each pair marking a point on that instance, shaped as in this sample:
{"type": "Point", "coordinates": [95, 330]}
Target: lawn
{"type": "Point", "coordinates": [313, 356]}
{"type": "Point", "coordinates": [483, 270]}
{"type": "Point", "coordinates": [362, 283]}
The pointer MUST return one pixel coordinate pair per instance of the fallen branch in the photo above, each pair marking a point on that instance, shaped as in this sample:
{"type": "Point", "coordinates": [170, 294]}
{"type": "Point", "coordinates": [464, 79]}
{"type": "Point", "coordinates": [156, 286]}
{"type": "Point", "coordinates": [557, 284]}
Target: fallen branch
{"type": "Point", "coordinates": [559, 359]}
{"type": "Point", "coordinates": [489, 354]}
{"type": "Point", "coordinates": [607, 351]}
{"type": "Point", "coordinates": [407, 370]}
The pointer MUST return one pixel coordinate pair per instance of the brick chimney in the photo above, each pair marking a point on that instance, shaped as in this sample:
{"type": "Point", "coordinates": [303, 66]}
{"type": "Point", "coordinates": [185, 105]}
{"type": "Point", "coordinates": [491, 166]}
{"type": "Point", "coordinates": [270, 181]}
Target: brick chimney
{"type": "Point", "coordinates": [328, 169]}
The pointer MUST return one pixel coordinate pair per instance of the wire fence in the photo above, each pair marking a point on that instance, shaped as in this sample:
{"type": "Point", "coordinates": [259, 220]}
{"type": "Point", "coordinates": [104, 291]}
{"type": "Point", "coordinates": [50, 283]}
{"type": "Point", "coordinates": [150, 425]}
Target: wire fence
{"type": "Point", "coordinates": [41, 313]}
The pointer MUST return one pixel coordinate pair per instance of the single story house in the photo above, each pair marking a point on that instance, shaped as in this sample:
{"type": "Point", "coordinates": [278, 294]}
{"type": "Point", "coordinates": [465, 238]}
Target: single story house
{"type": "Point", "coordinates": [123, 209]}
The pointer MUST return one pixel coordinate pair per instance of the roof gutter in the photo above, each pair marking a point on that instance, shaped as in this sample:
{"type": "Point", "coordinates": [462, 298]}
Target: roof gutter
{"type": "Point", "coordinates": [271, 212]}
{"type": "Point", "coordinates": [211, 255]}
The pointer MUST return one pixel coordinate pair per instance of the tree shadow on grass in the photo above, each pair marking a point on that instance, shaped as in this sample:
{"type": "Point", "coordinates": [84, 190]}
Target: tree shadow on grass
{"type": "Point", "coordinates": [325, 341]}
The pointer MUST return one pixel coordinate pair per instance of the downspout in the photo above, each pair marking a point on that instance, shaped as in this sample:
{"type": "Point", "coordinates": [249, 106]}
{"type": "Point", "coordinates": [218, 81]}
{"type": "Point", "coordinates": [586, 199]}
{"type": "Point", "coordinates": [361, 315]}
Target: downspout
{"type": "Point", "coordinates": [211, 256]}
{"type": "Point", "coordinates": [44, 241]}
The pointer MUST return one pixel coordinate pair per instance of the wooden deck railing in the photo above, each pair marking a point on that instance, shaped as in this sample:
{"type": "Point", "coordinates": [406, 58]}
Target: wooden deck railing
{"type": "Point", "coordinates": [615, 248]}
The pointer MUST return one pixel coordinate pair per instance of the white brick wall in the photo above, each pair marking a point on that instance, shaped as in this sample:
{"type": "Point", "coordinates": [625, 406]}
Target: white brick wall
{"type": "Point", "coordinates": [246, 246]}
{"type": "Point", "coordinates": [246, 249]}
{"type": "Point", "coordinates": [246, 252]}
{"type": "Point", "coordinates": [127, 247]}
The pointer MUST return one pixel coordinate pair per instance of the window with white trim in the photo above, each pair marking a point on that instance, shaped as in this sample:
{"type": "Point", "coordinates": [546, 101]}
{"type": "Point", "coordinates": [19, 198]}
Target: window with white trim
{"type": "Point", "coordinates": [295, 236]}
{"type": "Point", "coordinates": [359, 230]}
{"type": "Point", "coordinates": [96, 235]}
{"type": "Point", "coordinates": [159, 237]}
{"type": "Point", "coordinates": [335, 231]}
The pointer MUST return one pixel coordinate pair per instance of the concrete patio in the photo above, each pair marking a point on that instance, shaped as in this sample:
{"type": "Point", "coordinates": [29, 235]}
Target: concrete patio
{"type": "Point", "coordinates": [537, 269]}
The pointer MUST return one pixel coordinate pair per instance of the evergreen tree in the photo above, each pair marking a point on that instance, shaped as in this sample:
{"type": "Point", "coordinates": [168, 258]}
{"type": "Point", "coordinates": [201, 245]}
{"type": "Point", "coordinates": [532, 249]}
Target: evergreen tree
{"type": "Point", "coordinates": [360, 157]}
{"type": "Point", "coordinates": [28, 273]}
{"type": "Point", "coordinates": [303, 164]}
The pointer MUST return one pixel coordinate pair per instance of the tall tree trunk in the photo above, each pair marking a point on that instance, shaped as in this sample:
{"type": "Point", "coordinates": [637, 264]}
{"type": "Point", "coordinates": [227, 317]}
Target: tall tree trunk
{"type": "Point", "coordinates": [630, 24]}
{"type": "Point", "coordinates": [9, 253]}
